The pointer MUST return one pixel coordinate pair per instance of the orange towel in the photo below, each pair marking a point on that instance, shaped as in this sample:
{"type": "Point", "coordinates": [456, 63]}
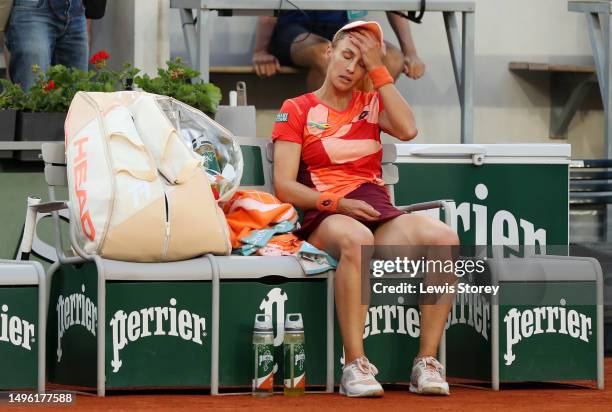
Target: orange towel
{"type": "Point", "coordinates": [250, 210]}
{"type": "Point", "coordinates": [286, 244]}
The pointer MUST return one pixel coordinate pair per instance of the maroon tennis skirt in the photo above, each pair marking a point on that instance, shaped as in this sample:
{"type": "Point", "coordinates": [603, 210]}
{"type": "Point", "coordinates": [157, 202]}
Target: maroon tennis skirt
{"type": "Point", "coordinates": [375, 195]}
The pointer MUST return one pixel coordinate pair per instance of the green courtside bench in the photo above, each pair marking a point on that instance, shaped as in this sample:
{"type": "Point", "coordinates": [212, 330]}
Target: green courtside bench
{"type": "Point", "coordinates": [121, 325]}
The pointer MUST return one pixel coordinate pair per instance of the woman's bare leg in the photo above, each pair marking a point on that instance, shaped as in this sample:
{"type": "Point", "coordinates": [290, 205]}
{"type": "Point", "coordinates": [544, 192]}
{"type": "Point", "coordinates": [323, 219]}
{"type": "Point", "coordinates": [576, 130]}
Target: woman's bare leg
{"type": "Point", "coordinates": [418, 230]}
{"type": "Point", "coordinates": [342, 237]}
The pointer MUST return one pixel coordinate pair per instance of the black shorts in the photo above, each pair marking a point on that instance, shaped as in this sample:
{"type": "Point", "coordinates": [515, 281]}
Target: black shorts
{"type": "Point", "coordinates": [285, 34]}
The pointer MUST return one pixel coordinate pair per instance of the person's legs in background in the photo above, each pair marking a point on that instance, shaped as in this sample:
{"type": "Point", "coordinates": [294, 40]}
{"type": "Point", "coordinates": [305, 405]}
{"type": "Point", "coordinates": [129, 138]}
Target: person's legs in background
{"type": "Point", "coordinates": [72, 46]}
{"type": "Point", "coordinates": [308, 51]}
{"type": "Point", "coordinates": [393, 60]}
{"type": "Point", "coordinates": [30, 38]}
{"type": "Point", "coordinates": [294, 44]}
{"type": "Point", "coordinates": [7, 58]}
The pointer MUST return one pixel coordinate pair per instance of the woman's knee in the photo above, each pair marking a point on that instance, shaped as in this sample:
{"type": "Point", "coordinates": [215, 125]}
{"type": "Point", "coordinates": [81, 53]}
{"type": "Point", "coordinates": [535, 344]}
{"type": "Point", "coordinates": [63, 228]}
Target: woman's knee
{"type": "Point", "coordinates": [341, 236]}
{"type": "Point", "coordinates": [432, 232]}
{"type": "Point", "coordinates": [352, 241]}
{"type": "Point", "coordinates": [352, 252]}
{"type": "Point", "coordinates": [444, 235]}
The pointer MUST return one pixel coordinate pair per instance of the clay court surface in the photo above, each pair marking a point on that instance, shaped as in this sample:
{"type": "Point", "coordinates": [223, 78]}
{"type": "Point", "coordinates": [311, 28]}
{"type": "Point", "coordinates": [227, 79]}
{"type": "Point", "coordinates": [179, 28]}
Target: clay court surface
{"type": "Point", "coordinates": [515, 397]}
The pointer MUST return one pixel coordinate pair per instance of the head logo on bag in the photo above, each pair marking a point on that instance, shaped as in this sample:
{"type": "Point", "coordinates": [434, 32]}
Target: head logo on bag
{"type": "Point", "coordinates": [79, 171]}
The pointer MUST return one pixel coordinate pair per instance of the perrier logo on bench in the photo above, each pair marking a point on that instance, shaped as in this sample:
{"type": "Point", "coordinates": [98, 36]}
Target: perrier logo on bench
{"type": "Point", "coordinates": [154, 321]}
{"type": "Point", "coordinates": [522, 325]}
{"type": "Point", "coordinates": [14, 330]}
{"type": "Point", "coordinates": [76, 309]}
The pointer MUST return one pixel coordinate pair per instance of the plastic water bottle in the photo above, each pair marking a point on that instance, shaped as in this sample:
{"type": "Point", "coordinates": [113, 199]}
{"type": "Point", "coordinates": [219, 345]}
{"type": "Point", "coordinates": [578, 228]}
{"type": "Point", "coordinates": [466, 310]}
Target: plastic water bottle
{"type": "Point", "coordinates": [263, 352]}
{"type": "Point", "coordinates": [294, 355]}
{"type": "Point", "coordinates": [209, 156]}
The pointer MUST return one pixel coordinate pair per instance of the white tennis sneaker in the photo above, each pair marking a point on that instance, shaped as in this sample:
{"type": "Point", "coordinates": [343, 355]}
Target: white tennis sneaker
{"type": "Point", "coordinates": [358, 379]}
{"type": "Point", "coordinates": [426, 378]}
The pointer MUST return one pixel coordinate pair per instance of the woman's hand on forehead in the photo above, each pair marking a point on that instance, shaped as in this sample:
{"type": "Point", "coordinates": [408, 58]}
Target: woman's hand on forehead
{"type": "Point", "coordinates": [369, 46]}
{"type": "Point", "coordinates": [366, 33]}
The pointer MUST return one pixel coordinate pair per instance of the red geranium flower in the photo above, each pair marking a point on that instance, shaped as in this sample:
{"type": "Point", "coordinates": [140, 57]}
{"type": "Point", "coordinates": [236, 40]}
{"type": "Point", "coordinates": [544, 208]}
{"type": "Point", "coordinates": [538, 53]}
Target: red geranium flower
{"type": "Point", "coordinates": [49, 86]}
{"type": "Point", "coordinates": [99, 59]}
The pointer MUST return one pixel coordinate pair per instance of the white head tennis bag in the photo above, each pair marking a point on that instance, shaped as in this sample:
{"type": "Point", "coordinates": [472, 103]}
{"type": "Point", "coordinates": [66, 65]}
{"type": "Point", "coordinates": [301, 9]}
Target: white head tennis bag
{"type": "Point", "coordinates": [137, 191]}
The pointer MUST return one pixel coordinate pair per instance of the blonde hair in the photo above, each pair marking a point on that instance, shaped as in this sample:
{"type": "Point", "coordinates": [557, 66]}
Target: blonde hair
{"type": "Point", "coordinates": [366, 84]}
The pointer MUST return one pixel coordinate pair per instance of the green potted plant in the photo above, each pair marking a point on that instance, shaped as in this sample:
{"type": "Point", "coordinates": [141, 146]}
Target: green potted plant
{"type": "Point", "coordinates": [44, 111]}
{"type": "Point", "coordinates": [180, 81]}
{"type": "Point", "coordinates": [12, 98]}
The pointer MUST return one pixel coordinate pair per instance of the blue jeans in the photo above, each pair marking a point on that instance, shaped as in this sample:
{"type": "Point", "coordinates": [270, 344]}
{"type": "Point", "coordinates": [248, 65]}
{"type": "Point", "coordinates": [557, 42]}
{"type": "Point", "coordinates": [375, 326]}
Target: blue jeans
{"type": "Point", "coordinates": [45, 33]}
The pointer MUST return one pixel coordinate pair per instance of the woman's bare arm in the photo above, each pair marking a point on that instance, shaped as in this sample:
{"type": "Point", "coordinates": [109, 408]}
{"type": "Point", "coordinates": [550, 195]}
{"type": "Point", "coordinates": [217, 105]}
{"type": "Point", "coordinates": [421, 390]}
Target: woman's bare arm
{"type": "Point", "coordinates": [397, 118]}
{"type": "Point", "coordinates": [286, 164]}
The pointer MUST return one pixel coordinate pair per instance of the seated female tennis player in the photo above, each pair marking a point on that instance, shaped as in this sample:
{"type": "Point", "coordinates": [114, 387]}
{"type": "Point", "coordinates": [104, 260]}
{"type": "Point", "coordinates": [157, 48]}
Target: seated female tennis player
{"type": "Point", "coordinates": [327, 161]}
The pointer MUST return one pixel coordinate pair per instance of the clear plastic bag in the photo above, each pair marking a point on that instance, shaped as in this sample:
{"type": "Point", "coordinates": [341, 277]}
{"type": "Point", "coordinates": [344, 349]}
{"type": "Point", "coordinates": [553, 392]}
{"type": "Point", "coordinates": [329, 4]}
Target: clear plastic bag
{"type": "Point", "coordinates": [220, 153]}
